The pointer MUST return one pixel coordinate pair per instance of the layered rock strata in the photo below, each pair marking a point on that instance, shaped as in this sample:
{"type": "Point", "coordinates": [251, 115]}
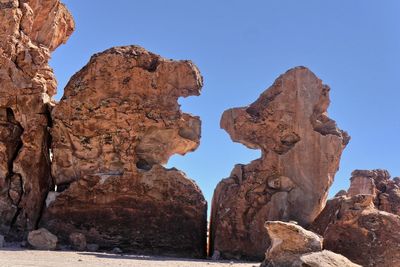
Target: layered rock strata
{"type": "Point", "coordinates": [30, 30]}
{"type": "Point", "coordinates": [301, 148]}
{"type": "Point", "coordinates": [116, 125]}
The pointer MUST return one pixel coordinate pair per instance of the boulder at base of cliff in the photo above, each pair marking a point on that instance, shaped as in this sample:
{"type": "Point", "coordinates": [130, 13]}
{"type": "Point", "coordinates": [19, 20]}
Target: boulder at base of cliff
{"type": "Point", "coordinates": [293, 246]}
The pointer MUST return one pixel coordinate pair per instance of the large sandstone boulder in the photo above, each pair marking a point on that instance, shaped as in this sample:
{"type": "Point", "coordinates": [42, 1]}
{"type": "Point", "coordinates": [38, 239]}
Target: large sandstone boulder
{"type": "Point", "coordinates": [301, 148]}
{"type": "Point", "coordinates": [354, 227]}
{"type": "Point", "coordinates": [292, 245]}
{"type": "Point", "coordinates": [29, 31]}
{"type": "Point", "coordinates": [116, 125]}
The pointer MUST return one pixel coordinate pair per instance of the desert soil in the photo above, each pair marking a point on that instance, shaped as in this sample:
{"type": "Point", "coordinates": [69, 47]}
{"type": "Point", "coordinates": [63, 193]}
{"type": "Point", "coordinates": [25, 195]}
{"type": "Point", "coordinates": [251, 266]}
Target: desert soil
{"type": "Point", "coordinates": [12, 257]}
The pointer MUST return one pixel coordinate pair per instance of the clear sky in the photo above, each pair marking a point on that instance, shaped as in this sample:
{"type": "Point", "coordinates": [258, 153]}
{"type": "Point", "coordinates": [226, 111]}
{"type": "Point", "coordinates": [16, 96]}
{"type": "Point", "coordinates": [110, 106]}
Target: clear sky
{"type": "Point", "coordinates": [241, 47]}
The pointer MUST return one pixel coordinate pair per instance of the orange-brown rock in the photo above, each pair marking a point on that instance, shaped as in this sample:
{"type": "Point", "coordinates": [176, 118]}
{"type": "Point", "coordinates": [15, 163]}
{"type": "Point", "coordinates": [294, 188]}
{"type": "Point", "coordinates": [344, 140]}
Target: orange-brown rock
{"type": "Point", "coordinates": [355, 228]}
{"type": "Point", "coordinates": [386, 191]}
{"type": "Point", "coordinates": [293, 246]}
{"type": "Point", "coordinates": [288, 242]}
{"type": "Point", "coordinates": [301, 148]}
{"type": "Point", "coordinates": [29, 32]}
{"type": "Point", "coordinates": [363, 224]}
{"type": "Point", "coordinates": [117, 123]}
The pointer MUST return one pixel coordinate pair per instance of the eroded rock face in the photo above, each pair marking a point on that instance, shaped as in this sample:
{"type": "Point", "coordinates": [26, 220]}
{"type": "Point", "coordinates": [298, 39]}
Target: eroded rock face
{"type": "Point", "coordinates": [292, 245]}
{"type": "Point", "coordinates": [386, 191]}
{"type": "Point", "coordinates": [363, 224]}
{"type": "Point", "coordinates": [301, 148]}
{"type": "Point", "coordinates": [115, 126]}
{"type": "Point", "coordinates": [29, 32]}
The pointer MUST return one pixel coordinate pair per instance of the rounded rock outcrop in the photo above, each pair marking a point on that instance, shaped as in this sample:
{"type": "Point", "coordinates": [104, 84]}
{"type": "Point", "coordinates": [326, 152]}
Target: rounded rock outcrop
{"type": "Point", "coordinates": [116, 125]}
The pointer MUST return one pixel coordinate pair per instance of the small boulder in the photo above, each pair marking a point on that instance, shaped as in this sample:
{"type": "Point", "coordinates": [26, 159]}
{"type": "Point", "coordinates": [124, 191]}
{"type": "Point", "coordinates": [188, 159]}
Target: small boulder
{"type": "Point", "coordinates": [322, 259]}
{"type": "Point", "coordinates": [288, 241]}
{"type": "Point", "coordinates": [42, 239]}
{"type": "Point", "coordinates": [293, 246]}
{"type": "Point", "coordinates": [78, 241]}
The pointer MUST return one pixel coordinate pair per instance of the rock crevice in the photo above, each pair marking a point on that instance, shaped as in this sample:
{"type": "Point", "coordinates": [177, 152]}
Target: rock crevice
{"type": "Point", "coordinates": [34, 29]}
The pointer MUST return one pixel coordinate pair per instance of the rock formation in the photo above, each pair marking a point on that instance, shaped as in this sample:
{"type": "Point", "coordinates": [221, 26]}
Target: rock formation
{"type": "Point", "coordinates": [117, 123]}
{"type": "Point", "coordinates": [386, 191]}
{"type": "Point", "coordinates": [360, 225]}
{"type": "Point", "coordinates": [29, 32]}
{"type": "Point", "coordinates": [301, 148]}
{"type": "Point", "coordinates": [291, 245]}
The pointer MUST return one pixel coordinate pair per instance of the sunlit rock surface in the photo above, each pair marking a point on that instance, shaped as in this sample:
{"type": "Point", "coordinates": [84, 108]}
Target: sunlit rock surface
{"type": "Point", "coordinates": [301, 148]}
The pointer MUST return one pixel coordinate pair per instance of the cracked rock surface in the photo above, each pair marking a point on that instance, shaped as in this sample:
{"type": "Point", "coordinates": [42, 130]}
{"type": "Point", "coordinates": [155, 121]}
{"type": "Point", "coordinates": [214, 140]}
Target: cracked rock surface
{"type": "Point", "coordinates": [301, 148]}
{"type": "Point", "coordinates": [363, 224]}
{"type": "Point", "coordinates": [29, 31]}
{"type": "Point", "coordinates": [386, 191]}
{"type": "Point", "coordinates": [116, 125]}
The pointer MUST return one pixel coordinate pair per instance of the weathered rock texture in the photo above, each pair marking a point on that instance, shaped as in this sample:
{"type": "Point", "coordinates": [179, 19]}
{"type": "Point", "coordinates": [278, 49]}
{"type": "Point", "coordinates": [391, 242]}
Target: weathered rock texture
{"type": "Point", "coordinates": [292, 245]}
{"type": "Point", "coordinates": [288, 241]}
{"type": "Point", "coordinates": [359, 225]}
{"type": "Point", "coordinates": [301, 148]}
{"type": "Point", "coordinates": [323, 258]}
{"type": "Point", "coordinates": [29, 31]}
{"type": "Point", "coordinates": [386, 191]}
{"type": "Point", "coordinates": [115, 126]}
{"type": "Point", "coordinates": [42, 239]}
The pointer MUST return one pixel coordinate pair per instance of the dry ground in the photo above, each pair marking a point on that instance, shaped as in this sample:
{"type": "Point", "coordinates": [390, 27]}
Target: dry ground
{"type": "Point", "coordinates": [15, 257]}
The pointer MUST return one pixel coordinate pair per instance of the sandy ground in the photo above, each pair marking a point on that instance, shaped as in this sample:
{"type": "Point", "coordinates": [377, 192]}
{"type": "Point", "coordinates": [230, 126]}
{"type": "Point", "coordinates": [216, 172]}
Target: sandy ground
{"type": "Point", "coordinates": [13, 257]}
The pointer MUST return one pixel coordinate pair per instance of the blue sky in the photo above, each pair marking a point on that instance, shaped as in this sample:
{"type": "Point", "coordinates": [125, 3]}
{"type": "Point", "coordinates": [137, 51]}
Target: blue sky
{"type": "Point", "coordinates": [241, 47]}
